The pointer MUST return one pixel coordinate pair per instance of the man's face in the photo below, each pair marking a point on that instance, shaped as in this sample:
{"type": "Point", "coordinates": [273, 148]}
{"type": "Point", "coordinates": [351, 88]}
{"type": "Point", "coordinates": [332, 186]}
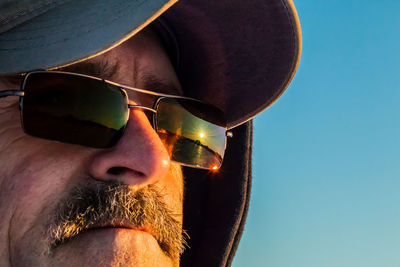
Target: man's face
{"type": "Point", "coordinates": [50, 191]}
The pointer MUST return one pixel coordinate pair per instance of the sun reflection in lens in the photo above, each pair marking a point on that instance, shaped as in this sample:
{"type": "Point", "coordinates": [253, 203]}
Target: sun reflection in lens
{"type": "Point", "coordinates": [202, 135]}
{"type": "Point", "coordinates": [214, 168]}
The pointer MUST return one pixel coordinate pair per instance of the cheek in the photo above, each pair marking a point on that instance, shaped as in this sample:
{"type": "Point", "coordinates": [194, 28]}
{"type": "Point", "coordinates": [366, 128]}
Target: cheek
{"type": "Point", "coordinates": [34, 174]}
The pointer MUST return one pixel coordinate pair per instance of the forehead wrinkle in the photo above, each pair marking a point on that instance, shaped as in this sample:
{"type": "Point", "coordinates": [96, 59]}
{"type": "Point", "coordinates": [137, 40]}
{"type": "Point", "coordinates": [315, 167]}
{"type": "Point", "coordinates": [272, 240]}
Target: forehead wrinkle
{"type": "Point", "coordinates": [100, 68]}
{"type": "Point", "coordinates": [153, 83]}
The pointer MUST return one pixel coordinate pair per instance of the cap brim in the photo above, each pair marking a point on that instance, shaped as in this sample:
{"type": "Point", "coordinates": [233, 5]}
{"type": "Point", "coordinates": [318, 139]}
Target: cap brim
{"type": "Point", "coordinates": [238, 55]}
{"type": "Point", "coordinates": [74, 31]}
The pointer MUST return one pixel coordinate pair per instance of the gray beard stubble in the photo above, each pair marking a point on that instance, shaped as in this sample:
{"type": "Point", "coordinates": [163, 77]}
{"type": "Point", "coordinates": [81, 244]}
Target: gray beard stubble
{"type": "Point", "coordinates": [106, 204]}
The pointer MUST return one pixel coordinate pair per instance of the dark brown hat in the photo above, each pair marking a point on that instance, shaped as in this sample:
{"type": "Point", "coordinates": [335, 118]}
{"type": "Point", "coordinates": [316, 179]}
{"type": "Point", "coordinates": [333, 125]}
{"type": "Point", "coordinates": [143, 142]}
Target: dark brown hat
{"type": "Point", "coordinates": [238, 55]}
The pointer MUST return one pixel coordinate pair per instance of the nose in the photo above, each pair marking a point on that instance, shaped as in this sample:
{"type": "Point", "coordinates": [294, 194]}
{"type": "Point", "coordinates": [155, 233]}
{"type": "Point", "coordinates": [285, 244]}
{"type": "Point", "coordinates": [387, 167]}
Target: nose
{"type": "Point", "coordinates": [139, 158]}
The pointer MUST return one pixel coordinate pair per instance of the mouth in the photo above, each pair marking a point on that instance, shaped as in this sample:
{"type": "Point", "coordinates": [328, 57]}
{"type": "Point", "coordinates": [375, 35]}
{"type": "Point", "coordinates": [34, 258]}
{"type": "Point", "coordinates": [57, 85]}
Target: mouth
{"type": "Point", "coordinates": [110, 226]}
{"type": "Point", "coordinates": [113, 207]}
{"type": "Point", "coordinates": [118, 227]}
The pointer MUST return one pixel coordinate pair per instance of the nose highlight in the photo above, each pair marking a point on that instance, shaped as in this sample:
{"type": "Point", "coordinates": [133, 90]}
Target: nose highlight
{"type": "Point", "coordinates": [139, 158]}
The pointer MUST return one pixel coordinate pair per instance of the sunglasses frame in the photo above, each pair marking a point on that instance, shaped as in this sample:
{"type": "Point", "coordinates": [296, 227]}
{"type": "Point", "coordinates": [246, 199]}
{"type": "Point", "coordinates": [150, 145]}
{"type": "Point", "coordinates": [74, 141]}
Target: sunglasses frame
{"type": "Point", "coordinates": [122, 88]}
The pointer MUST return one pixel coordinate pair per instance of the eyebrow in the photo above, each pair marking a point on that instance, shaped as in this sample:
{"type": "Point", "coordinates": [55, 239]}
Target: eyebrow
{"type": "Point", "coordinates": [156, 84]}
{"type": "Point", "coordinates": [101, 69]}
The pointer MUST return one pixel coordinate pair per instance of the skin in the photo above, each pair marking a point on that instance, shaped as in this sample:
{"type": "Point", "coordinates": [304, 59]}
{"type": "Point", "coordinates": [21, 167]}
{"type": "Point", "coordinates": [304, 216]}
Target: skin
{"type": "Point", "coordinates": [35, 174]}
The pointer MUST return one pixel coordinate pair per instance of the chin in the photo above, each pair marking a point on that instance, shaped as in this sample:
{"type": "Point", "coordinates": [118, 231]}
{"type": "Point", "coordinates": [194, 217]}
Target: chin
{"type": "Point", "coordinates": [111, 247]}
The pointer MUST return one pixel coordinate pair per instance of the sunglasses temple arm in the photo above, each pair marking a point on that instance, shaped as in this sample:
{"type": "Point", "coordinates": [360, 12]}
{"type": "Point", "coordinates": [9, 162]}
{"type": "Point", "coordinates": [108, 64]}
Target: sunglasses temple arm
{"type": "Point", "coordinates": [11, 93]}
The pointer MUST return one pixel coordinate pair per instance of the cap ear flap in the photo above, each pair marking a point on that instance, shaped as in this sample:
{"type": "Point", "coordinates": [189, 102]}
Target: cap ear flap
{"type": "Point", "coordinates": [216, 204]}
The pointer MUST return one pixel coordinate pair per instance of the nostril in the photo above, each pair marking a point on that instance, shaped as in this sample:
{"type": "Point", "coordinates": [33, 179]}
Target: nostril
{"type": "Point", "coordinates": [123, 170]}
{"type": "Point", "coordinates": [116, 170]}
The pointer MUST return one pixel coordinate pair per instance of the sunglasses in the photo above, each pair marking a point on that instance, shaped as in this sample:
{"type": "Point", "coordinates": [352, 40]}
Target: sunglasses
{"type": "Point", "coordinates": [80, 109]}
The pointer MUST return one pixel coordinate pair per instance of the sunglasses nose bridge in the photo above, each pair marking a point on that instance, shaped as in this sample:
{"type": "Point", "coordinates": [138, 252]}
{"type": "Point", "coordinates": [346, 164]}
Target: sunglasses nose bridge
{"type": "Point", "coordinates": [142, 107]}
{"type": "Point", "coordinates": [151, 118]}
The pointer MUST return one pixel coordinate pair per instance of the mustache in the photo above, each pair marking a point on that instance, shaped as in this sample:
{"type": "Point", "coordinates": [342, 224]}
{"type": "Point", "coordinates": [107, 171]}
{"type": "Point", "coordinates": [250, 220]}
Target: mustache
{"type": "Point", "coordinates": [106, 204]}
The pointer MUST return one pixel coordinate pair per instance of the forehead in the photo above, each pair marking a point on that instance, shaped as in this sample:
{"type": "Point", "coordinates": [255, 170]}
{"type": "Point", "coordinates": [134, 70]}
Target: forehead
{"type": "Point", "coordinates": [140, 62]}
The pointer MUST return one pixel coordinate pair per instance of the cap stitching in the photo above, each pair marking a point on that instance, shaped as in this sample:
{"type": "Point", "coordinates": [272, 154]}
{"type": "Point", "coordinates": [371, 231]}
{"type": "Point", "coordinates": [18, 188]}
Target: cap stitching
{"type": "Point", "coordinates": [63, 40]}
{"type": "Point", "coordinates": [118, 15]}
{"type": "Point", "coordinates": [56, 29]}
{"type": "Point", "coordinates": [18, 15]}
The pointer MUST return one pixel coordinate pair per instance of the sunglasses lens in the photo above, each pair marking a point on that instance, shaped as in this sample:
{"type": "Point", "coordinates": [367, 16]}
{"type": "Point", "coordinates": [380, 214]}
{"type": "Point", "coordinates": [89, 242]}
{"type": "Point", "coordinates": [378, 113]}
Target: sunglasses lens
{"type": "Point", "coordinates": [74, 109]}
{"type": "Point", "coordinates": [191, 133]}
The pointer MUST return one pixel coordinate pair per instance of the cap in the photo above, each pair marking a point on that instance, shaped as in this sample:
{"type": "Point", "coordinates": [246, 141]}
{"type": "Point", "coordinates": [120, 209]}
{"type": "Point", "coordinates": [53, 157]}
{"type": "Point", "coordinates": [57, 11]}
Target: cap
{"type": "Point", "coordinates": [238, 55]}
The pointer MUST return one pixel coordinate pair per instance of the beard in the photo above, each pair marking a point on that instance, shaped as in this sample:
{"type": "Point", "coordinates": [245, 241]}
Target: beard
{"type": "Point", "coordinates": [111, 204]}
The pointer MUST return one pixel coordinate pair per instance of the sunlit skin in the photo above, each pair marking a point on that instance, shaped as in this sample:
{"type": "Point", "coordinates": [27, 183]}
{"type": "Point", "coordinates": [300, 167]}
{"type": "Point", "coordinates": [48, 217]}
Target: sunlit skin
{"type": "Point", "coordinates": [35, 174]}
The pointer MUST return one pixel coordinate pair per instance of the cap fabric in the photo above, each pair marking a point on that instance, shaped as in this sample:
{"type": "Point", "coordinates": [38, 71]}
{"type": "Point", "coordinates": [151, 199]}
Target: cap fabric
{"type": "Point", "coordinates": [237, 55]}
{"type": "Point", "coordinates": [41, 34]}
{"type": "Point", "coordinates": [215, 204]}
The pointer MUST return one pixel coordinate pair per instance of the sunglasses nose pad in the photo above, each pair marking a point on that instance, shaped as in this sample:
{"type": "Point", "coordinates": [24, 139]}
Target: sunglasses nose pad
{"type": "Point", "coordinates": [151, 117]}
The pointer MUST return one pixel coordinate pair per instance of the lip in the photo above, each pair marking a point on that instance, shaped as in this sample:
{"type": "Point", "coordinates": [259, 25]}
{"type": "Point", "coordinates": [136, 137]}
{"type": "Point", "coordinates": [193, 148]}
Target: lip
{"type": "Point", "coordinates": [103, 228]}
{"type": "Point", "coordinates": [119, 226]}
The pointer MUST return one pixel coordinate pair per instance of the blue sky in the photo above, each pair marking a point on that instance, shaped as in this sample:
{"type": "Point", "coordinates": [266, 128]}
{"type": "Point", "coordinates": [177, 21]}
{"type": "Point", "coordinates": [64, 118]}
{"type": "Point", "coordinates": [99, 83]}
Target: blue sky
{"type": "Point", "coordinates": [326, 185]}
